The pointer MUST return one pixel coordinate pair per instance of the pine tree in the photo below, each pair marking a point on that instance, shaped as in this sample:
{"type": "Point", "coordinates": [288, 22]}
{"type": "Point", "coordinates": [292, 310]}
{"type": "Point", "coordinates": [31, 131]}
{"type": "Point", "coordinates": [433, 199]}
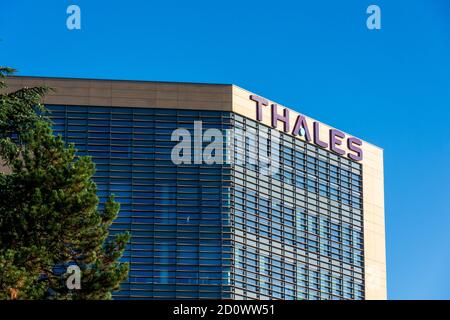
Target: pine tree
{"type": "Point", "coordinates": [49, 210]}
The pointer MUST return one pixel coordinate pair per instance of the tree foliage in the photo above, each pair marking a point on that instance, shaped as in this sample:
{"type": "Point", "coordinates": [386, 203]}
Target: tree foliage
{"type": "Point", "coordinates": [49, 210]}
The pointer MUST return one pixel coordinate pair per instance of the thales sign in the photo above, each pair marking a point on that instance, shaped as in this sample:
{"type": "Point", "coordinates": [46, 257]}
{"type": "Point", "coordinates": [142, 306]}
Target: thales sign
{"type": "Point", "coordinates": [334, 141]}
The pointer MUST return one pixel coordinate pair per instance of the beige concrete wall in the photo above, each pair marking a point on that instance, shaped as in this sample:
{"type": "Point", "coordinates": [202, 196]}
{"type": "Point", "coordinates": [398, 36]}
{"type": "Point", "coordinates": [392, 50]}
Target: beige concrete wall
{"type": "Point", "coordinates": [130, 93]}
{"type": "Point", "coordinates": [374, 227]}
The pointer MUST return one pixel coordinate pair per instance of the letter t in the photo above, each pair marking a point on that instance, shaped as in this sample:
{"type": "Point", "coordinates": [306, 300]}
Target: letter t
{"type": "Point", "coordinates": [259, 103]}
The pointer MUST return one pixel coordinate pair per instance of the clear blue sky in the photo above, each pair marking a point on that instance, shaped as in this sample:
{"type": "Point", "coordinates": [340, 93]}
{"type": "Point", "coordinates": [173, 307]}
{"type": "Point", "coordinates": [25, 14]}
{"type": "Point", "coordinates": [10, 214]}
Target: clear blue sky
{"type": "Point", "coordinates": [390, 87]}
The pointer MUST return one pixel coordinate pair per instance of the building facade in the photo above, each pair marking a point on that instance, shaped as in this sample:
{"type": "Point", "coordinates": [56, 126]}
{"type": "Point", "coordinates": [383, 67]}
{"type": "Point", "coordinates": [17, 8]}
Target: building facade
{"type": "Point", "coordinates": [310, 228]}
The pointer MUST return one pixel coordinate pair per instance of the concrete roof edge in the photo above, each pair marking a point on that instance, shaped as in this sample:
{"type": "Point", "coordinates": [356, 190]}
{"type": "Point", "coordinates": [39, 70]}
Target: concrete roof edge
{"type": "Point", "coordinates": [118, 80]}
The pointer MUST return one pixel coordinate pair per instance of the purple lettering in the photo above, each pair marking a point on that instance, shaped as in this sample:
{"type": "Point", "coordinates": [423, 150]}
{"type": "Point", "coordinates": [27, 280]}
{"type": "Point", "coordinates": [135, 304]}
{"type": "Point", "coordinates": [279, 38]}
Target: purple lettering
{"type": "Point", "coordinates": [352, 144]}
{"type": "Point", "coordinates": [317, 137]}
{"type": "Point", "coordinates": [259, 103]}
{"type": "Point", "coordinates": [284, 118]}
{"type": "Point", "coordinates": [335, 135]}
{"type": "Point", "coordinates": [301, 123]}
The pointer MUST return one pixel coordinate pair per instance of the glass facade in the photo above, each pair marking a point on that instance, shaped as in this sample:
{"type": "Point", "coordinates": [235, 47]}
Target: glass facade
{"type": "Point", "coordinates": [298, 234]}
{"type": "Point", "coordinates": [223, 231]}
{"type": "Point", "coordinates": [178, 216]}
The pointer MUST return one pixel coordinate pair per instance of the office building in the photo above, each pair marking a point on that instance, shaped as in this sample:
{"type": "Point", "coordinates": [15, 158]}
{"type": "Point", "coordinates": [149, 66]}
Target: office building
{"type": "Point", "coordinates": [309, 227]}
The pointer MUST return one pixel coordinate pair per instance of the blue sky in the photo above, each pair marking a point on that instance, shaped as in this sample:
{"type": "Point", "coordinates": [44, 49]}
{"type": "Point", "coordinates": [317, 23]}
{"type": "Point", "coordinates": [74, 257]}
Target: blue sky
{"type": "Point", "coordinates": [390, 87]}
